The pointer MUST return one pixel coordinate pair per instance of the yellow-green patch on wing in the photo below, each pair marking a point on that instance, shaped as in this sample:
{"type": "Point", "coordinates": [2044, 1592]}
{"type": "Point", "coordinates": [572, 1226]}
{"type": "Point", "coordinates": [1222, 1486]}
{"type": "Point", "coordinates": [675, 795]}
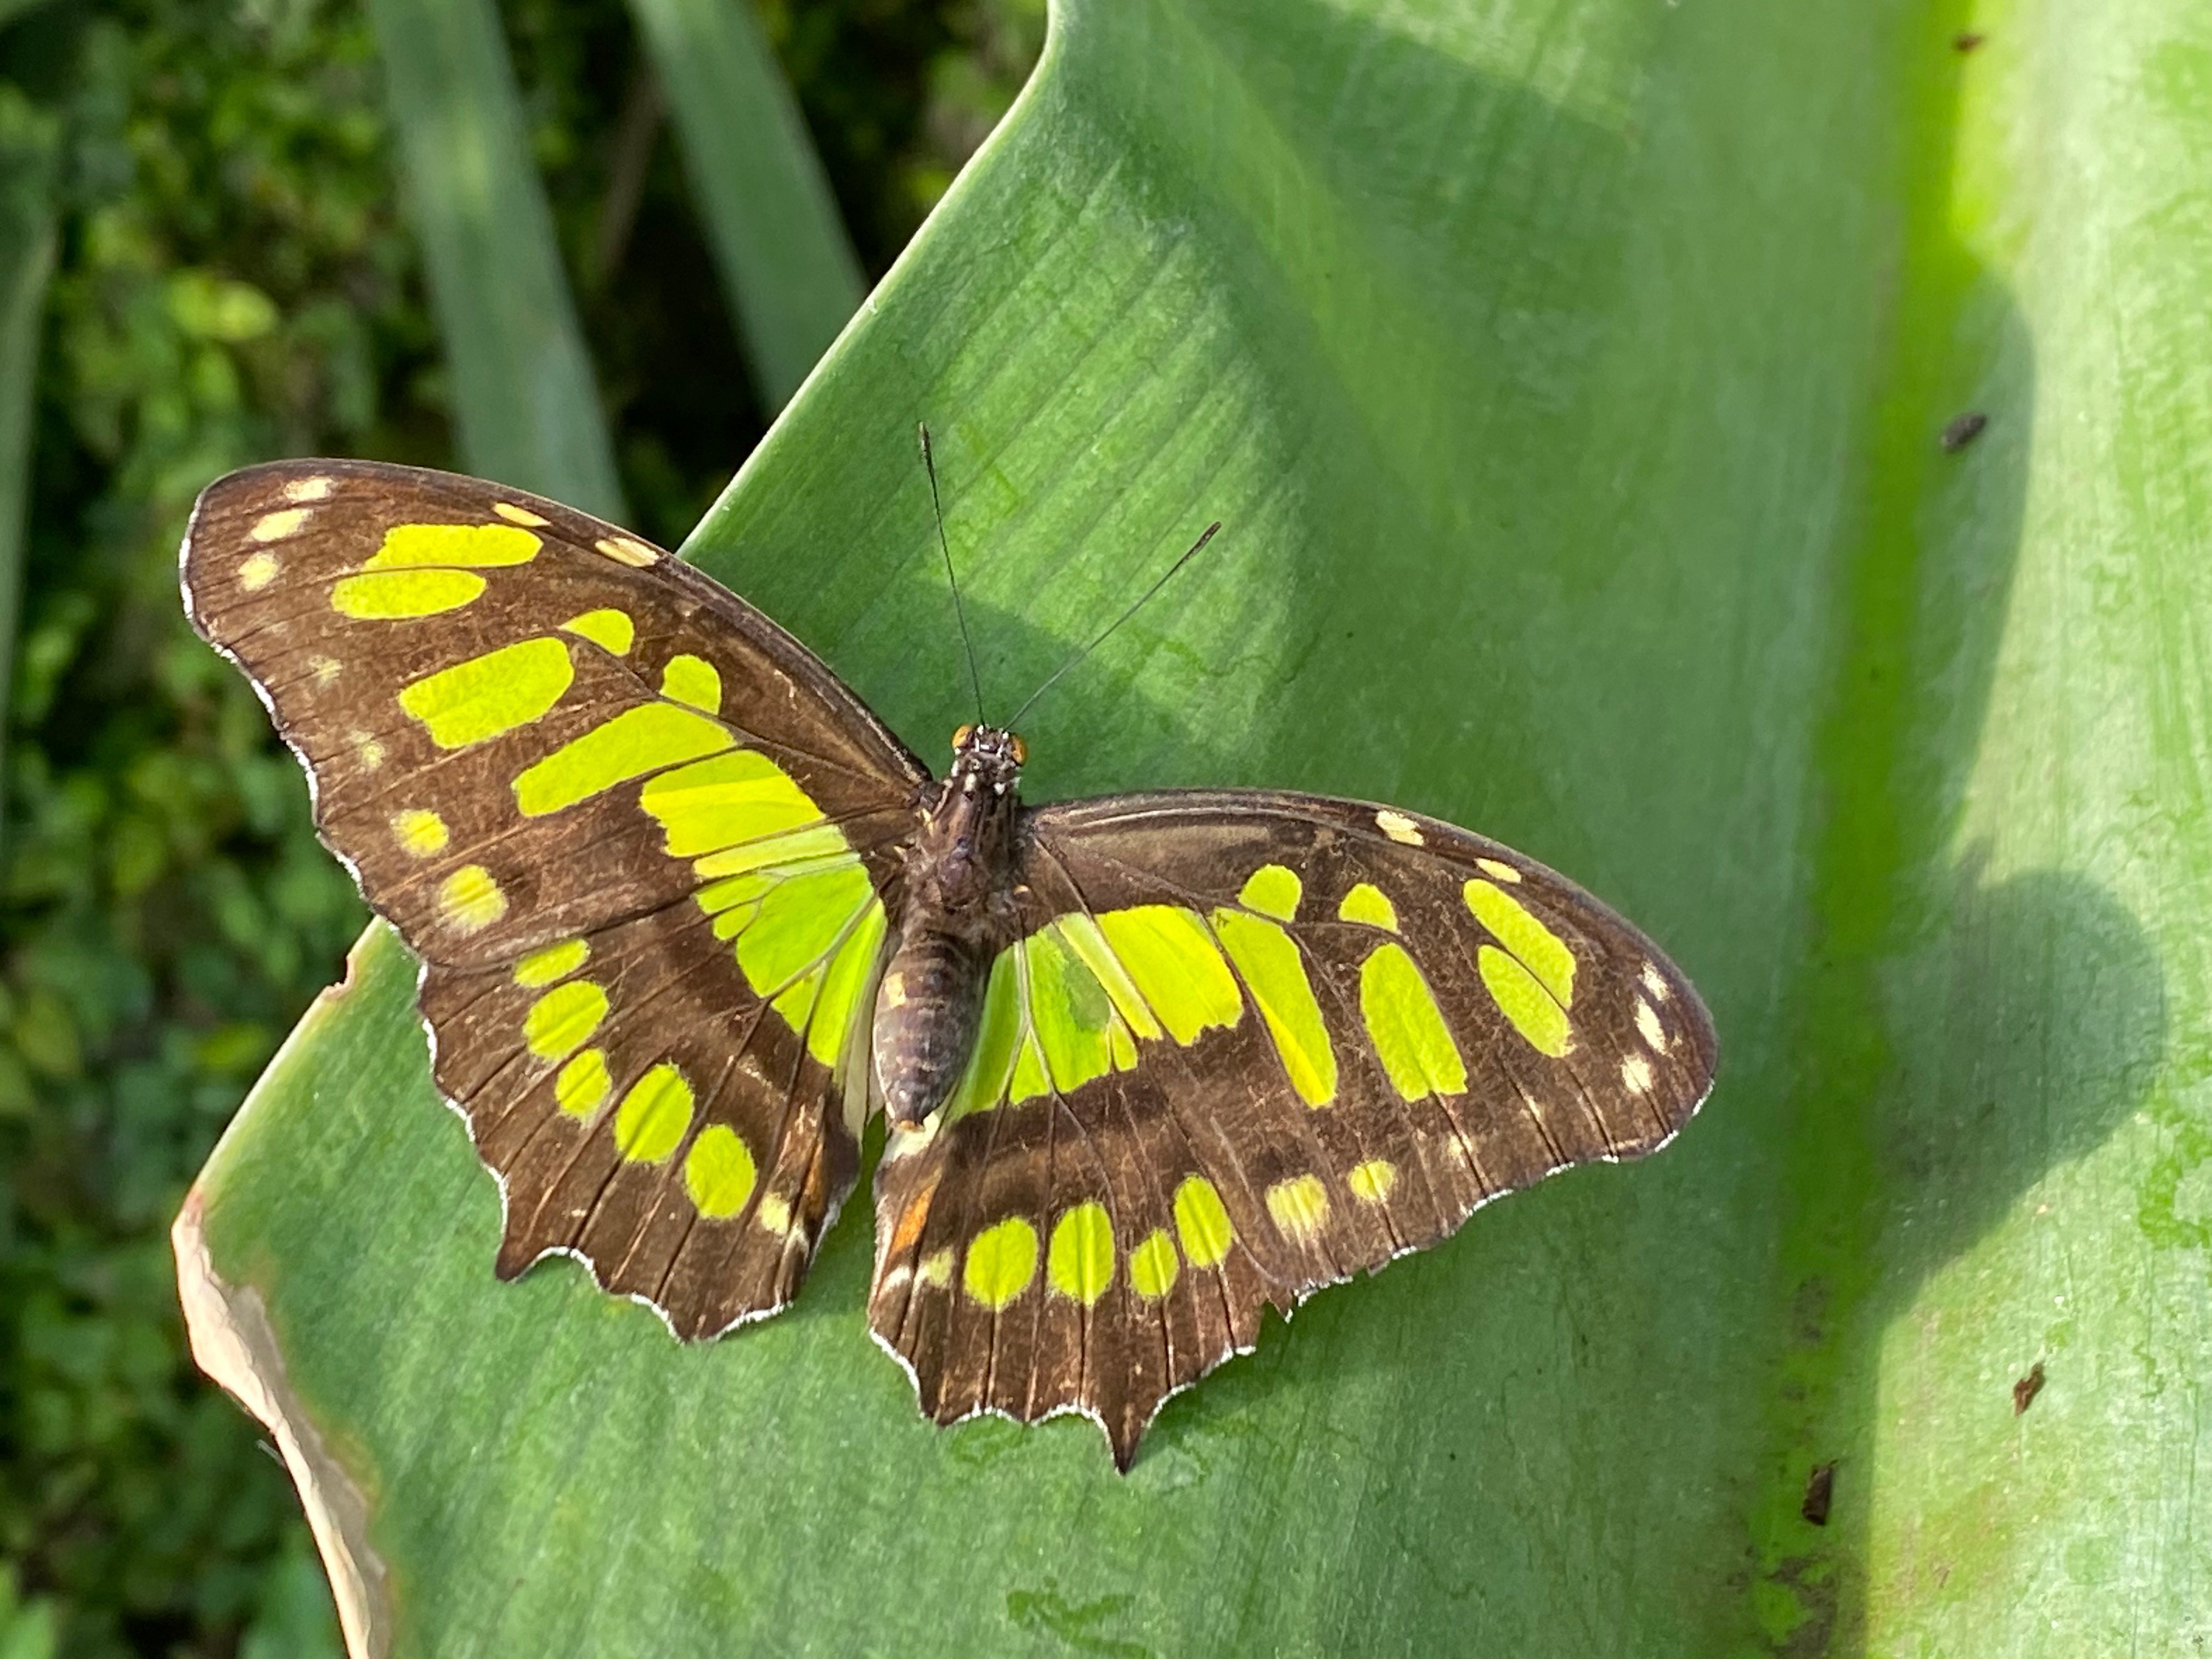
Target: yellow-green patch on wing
{"type": "Point", "coordinates": [1081, 1263]}
{"type": "Point", "coordinates": [1001, 1263]}
{"type": "Point", "coordinates": [1527, 1003]}
{"type": "Point", "coordinates": [732, 799]}
{"type": "Point", "coordinates": [1275, 973]}
{"type": "Point", "coordinates": [1299, 1206]}
{"type": "Point", "coordinates": [1407, 1027]}
{"type": "Point", "coordinates": [562, 1020]}
{"type": "Point", "coordinates": [610, 630]}
{"type": "Point", "coordinates": [583, 1084]}
{"type": "Point", "coordinates": [654, 1114]}
{"type": "Point", "coordinates": [394, 595]}
{"type": "Point", "coordinates": [998, 1036]}
{"type": "Point", "coordinates": [692, 680]}
{"type": "Point", "coordinates": [1080, 932]}
{"type": "Point", "coordinates": [542, 968]}
{"type": "Point", "coordinates": [1171, 958]}
{"type": "Point", "coordinates": [1154, 1266]}
{"type": "Point", "coordinates": [420, 832]}
{"type": "Point", "coordinates": [1538, 950]}
{"type": "Point", "coordinates": [800, 922]}
{"type": "Point", "coordinates": [843, 986]}
{"type": "Point", "coordinates": [718, 1172]}
{"type": "Point", "coordinates": [479, 699]}
{"type": "Point", "coordinates": [634, 743]}
{"type": "Point", "coordinates": [1202, 1220]}
{"type": "Point", "coordinates": [1273, 890]}
{"type": "Point", "coordinates": [470, 899]}
{"type": "Point", "coordinates": [1369, 903]}
{"type": "Point", "coordinates": [408, 546]}
{"type": "Point", "coordinates": [1072, 1015]}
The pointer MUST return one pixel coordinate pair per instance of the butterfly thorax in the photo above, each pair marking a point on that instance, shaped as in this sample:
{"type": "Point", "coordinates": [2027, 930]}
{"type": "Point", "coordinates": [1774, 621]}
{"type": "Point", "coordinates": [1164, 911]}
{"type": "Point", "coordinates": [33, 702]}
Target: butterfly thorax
{"type": "Point", "coordinates": [958, 915]}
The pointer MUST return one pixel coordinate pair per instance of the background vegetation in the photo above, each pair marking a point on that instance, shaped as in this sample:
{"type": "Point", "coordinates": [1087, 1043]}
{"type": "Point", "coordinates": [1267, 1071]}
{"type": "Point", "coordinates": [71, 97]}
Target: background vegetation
{"type": "Point", "coordinates": [233, 280]}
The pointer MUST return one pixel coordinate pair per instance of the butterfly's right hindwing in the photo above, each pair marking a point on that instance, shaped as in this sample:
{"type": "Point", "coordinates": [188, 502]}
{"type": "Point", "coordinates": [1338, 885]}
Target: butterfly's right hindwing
{"type": "Point", "coordinates": [640, 838]}
{"type": "Point", "coordinates": [1250, 1044]}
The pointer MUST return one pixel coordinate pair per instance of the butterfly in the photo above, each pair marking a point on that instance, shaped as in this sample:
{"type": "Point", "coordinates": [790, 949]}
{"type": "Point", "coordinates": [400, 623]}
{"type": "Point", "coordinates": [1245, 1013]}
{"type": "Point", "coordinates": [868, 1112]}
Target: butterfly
{"type": "Point", "coordinates": [689, 915]}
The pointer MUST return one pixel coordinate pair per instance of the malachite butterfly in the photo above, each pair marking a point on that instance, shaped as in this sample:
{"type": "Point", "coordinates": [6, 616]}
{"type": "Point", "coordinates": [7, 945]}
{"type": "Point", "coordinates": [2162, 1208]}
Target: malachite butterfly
{"type": "Point", "coordinates": [689, 913]}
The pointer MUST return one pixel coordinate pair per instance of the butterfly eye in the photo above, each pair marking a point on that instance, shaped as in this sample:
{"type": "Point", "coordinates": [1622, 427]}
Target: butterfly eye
{"type": "Point", "coordinates": [960, 738]}
{"type": "Point", "coordinates": [1021, 750]}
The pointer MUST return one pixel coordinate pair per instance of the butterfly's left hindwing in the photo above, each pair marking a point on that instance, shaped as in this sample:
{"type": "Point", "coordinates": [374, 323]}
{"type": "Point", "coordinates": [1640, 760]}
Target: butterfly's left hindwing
{"type": "Point", "coordinates": [642, 839]}
{"type": "Point", "coordinates": [1248, 1045]}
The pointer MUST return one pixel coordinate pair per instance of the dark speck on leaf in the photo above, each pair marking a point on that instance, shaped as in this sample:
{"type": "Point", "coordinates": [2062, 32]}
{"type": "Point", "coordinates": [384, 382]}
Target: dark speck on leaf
{"type": "Point", "coordinates": [1965, 42]}
{"type": "Point", "coordinates": [1820, 1493]}
{"type": "Point", "coordinates": [1963, 430]}
{"type": "Point", "coordinates": [2025, 1390]}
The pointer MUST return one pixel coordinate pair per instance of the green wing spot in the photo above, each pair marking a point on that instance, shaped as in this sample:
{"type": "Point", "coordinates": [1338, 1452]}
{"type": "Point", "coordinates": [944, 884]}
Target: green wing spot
{"type": "Point", "coordinates": [583, 1085]}
{"type": "Point", "coordinates": [469, 900]}
{"type": "Point", "coordinates": [1269, 960]}
{"type": "Point", "coordinates": [800, 922]}
{"type": "Point", "coordinates": [1175, 964]}
{"type": "Point", "coordinates": [542, 968]}
{"type": "Point", "coordinates": [718, 1172]}
{"type": "Point", "coordinates": [1031, 1077]}
{"type": "Point", "coordinates": [1523, 1001]}
{"type": "Point", "coordinates": [1001, 1262]}
{"type": "Point", "coordinates": [1081, 1261]}
{"type": "Point", "coordinates": [991, 1066]}
{"type": "Point", "coordinates": [692, 679]}
{"type": "Point", "coordinates": [610, 630]}
{"type": "Point", "coordinates": [796, 1000]}
{"type": "Point", "coordinates": [1367, 902]}
{"type": "Point", "coordinates": [479, 699]}
{"type": "Point", "coordinates": [1299, 1206]}
{"type": "Point", "coordinates": [1371, 1181]}
{"type": "Point", "coordinates": [841, 987]}
{"type": "Point", "coordinates": [1274, 890]}
{"type": "Point", "coordinates": [411, 545]}
{"type": "Point", "coordinates": [635, 741]}
{"type": "Point", "coordinates": [1541, 952]}
{"type": "Point", "coordinates": [1079, 932]}
{"type": "Point", "coordinates": [732, 800]}
{"type": "Point", "coordinates": [650, 1122]}
{"type": "Point", "coordinates": [421, 833]}
{"type": "Point", "coordinates": [1070, 1012]}
{"type": "Point", "coordinates": [1153, 1266]}
{"type": "Point", "coordinates": [734, 903]}
{"type": "Point", "coordinates": [1203, 1222]}
{"type": "Point", "coordinates": [822, 842]}
{"type": "Point", "coordinates": [562, 1020]}
{"type": "Point", "coordinates": [1407, 1028]}
{"type": "Point", "coordinates": [391, 595]}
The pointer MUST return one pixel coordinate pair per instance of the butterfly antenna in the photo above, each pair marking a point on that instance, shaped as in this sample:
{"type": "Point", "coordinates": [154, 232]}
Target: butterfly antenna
{"type": "Point", "coordinates": [1141, 599]}
{"type": "Point", "coordinates": [959, 612]}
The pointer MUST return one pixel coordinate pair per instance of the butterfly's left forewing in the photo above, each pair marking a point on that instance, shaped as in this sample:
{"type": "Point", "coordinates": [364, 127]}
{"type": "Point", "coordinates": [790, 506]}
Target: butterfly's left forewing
{"type": "Point", "coordinates": [642, 840]}
{"type": "Point", "coordinates": [1248, 1045]}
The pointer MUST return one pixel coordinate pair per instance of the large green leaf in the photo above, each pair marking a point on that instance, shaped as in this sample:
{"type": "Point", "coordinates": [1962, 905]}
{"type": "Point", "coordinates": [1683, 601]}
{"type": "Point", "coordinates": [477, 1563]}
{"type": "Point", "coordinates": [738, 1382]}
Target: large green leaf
{"type": "Point", "coordinates": [1570, 379]}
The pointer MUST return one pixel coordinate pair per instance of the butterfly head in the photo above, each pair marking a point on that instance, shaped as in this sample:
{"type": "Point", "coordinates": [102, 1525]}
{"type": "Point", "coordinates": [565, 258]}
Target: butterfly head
{"type": "Point", "coordinates": [986, 759]}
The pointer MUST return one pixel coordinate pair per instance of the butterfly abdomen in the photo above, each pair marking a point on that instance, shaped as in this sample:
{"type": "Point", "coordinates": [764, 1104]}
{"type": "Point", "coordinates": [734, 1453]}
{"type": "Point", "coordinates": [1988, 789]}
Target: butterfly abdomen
{"type": "Point", "coordinates": [927, 1012]}
{"type": "Point", "coordinates": [959, 914]}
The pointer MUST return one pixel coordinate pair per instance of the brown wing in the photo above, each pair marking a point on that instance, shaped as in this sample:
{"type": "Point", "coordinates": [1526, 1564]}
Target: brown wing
{"type": "Point", "coordinates": [1252, 1044]}
{"type": "Point", "coordinates": [638, 834]}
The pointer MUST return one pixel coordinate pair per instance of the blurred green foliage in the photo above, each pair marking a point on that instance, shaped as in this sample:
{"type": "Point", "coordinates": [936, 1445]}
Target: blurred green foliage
{"type": "Point", "coordinates": [235, 281]}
